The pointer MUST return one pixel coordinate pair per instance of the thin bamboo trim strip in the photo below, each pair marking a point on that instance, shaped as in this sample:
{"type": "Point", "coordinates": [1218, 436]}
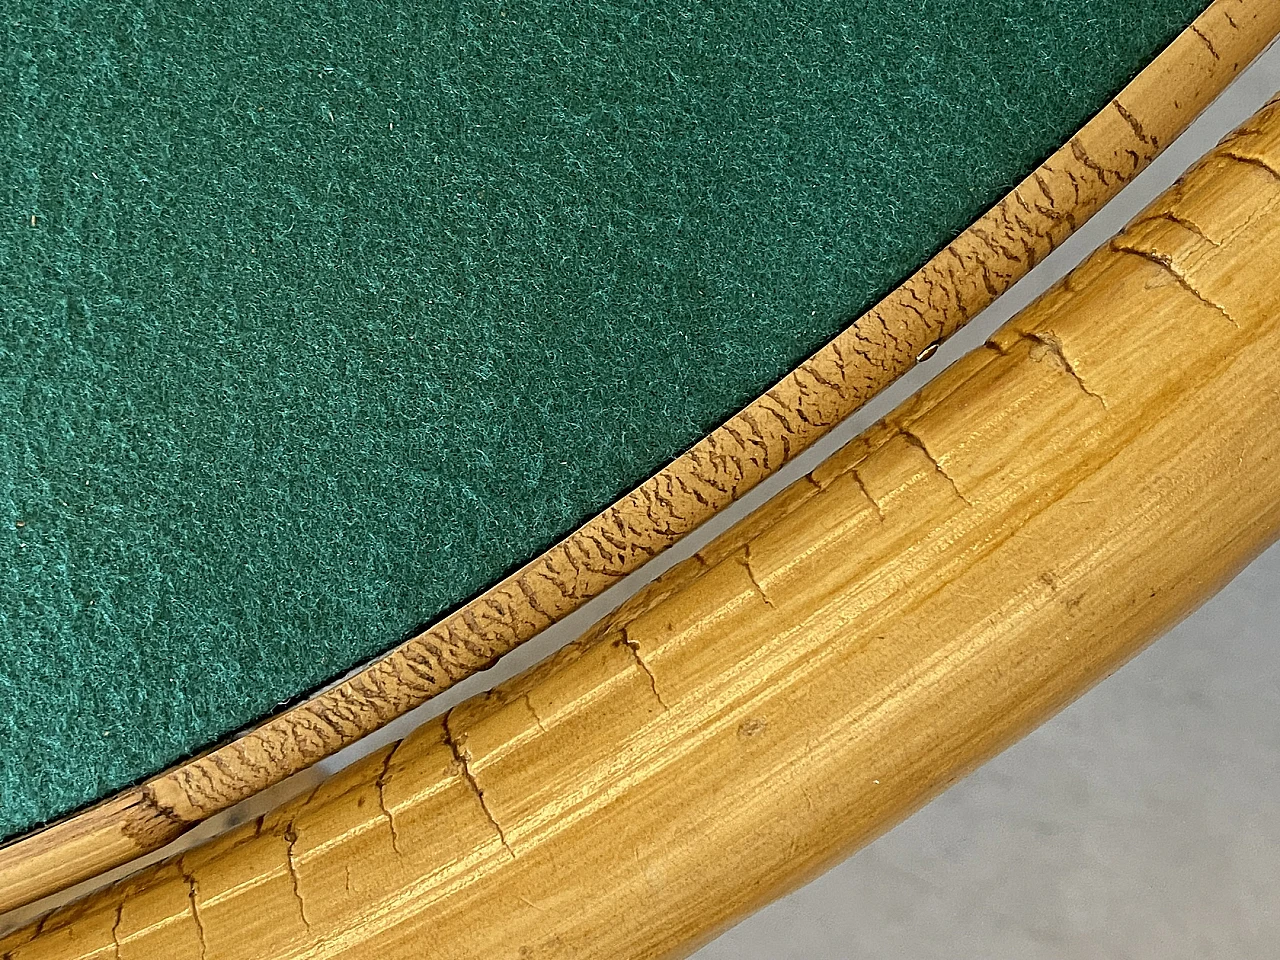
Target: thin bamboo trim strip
{"type": "Point", "coordinates": [931, 305]}
{"type": "Point", "coordinates": [963, 570]}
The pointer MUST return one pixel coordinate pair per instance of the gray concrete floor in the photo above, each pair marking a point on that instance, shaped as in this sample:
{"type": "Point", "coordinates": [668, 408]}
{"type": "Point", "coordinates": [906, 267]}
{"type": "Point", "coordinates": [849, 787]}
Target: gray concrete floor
{"type": "Point", "coordinates": [1142, 822]}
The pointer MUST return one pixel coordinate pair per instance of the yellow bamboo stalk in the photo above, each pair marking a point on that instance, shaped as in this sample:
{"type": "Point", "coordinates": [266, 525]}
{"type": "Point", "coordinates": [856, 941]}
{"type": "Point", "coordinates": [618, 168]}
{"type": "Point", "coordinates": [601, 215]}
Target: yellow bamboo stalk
{"type": "Point", "coordinates": [961, 571]}
{"type": "Point", "coordinates": [960, 281]}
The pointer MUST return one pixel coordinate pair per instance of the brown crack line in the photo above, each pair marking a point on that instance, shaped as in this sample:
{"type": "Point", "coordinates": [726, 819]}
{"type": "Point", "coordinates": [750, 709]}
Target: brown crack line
{"type": "Point", "coordinates": [193, 898]}
{"type": "Point", "coordinates": [751, 575]}
{"type": "Point", "coordinates": [533, 712]}
{"type": "Point", "coordinates": [1207, 42]}
{"type": "Point", "coordinates": [381, 783]}
{"type": "Point", "coordinates": [1168, 216]}
{"type": "Point", "coordinates": [916, 442]}
{"type": "Point", "coordinates": [627, 641]}
{"type": "Point", "coordinates": [862, 485]}
{"type": "Point", "coordinates": [290, 837]}
{"type": "Point", "coordinates": [1134, 123]}
{"type": "Point", "coordinates": [115, 929]}
{"type": "Point", "coordinates": [1166, 264]}
{"type": "Point", "coordinates": [462, 758]}
{"type": "Point", "coordinates": [1054, 346]}
{"type": "Point", "coordinates": [1250, 159]}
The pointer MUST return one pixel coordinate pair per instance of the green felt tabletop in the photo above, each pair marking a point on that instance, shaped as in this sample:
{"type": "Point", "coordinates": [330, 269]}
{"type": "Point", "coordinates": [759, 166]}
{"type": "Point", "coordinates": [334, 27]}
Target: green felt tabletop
{"type": "Point", "coordinates": [316, 319]}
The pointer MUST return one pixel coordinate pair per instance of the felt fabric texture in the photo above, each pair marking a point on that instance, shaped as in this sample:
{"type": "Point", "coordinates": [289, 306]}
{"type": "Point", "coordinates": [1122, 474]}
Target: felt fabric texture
{"type": "Point", "coordinates": [315, 320]}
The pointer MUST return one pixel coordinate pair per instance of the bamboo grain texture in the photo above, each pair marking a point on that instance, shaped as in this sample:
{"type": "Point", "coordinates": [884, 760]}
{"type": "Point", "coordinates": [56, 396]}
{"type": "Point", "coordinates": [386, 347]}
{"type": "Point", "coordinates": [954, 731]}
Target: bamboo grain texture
{"type": "Point", "coordinates": [965, 568]}
{"type": "Point", "coordinates": [982, 262]}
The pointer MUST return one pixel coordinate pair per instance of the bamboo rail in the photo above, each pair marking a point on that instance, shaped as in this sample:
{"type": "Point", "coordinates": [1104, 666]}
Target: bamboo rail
{"type": "Point", "coordinates": [984, 261]}
{"type": "Point", "coordinates": [951, 578]}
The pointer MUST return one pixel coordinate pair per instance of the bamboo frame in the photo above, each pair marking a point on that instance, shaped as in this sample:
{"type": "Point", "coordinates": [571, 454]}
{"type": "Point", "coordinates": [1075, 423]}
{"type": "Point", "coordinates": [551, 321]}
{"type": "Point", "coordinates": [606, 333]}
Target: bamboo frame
{"type": "Point", "coordinates": [931, 305]}
{"type": "Point", "coordinates": [958, 573]}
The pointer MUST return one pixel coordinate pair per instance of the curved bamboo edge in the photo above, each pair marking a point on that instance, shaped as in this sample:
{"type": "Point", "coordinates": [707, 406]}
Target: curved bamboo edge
{"type": "Point", "coordinates": [958, 573]}
{"type": "Point", "coordinates": [984, 261]}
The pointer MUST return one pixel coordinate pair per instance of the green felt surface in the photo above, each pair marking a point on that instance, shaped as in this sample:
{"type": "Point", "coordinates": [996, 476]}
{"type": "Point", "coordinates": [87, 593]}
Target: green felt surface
{"type": "Point", "coordinates": [332, 313]}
